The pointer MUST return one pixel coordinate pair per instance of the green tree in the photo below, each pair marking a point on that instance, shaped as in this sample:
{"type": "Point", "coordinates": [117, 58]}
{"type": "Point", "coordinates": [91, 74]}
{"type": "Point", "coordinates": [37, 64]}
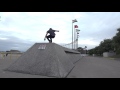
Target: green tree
{"type": "Point", "coordinates": [116, 41]}
{"type": "Point", "coordinates": [106, 45]}
{"type": "Point", "coordinates": [91, 51]}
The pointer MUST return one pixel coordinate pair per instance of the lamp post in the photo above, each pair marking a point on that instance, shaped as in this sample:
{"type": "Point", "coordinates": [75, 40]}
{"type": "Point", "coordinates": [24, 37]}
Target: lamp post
{"type": "Point", "coordinates": [73, 21]}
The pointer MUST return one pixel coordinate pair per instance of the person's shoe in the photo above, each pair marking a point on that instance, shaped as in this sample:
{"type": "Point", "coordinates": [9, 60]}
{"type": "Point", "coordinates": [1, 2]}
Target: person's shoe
{"type": "Point", "coordinates": [50, 41]}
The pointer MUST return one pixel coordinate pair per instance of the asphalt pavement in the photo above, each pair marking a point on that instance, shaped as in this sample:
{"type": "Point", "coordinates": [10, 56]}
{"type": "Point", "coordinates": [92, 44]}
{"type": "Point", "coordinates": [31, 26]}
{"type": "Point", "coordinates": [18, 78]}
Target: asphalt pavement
{"type": "Point", "coordinates": [96, 67]}
{"type": "Point", "coordinates": [87, 67]}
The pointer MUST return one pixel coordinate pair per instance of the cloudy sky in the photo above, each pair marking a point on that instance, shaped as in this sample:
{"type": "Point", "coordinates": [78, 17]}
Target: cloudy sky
{"type": "Point", "coordinates": [21, 30]}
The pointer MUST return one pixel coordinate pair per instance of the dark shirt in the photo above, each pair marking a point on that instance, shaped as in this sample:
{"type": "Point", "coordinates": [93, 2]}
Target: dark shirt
{"type": "Point", "coordinates": [51, 32]}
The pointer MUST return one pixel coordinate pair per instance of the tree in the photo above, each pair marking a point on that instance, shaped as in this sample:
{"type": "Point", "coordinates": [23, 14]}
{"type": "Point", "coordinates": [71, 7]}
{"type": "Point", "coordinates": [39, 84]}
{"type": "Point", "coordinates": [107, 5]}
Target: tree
{"type": "Point", "coordinates": [116, 42]}
{"type": "Point", "coordinates": [80, 49]}
{"type": "Point", "coordinates": [107, 45]}
{"type": "Point", "coordinates": [104, 46]}
{"type": "Point", "coordinates": [91, 51]}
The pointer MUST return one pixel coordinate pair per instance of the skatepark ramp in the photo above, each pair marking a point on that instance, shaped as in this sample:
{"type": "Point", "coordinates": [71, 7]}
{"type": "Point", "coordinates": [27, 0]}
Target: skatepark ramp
{"type": "Point", "coordinates": [73, 55]}
{"type": "Point", "coordinates": [47, 59]}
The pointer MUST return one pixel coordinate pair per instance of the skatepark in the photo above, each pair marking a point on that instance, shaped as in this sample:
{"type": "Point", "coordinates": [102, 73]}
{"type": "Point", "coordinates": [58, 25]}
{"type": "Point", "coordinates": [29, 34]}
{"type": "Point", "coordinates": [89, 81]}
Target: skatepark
{"type": "Point", "coordinates": [50, 60]}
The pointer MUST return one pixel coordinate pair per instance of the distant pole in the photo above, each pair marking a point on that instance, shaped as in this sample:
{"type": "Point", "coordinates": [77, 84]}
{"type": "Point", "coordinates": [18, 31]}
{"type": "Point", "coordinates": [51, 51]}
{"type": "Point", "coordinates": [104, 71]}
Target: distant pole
{"type": "Point", "coordinates": [75, 40]}
{"type": "Point", "coordinates": [74, 37]}
{"type": "Point", "coordinates": [77, 36]}
{"type": "Point", "coordinates": [10, 55]}
{"type": "Point", "coordinates": [72, 30]}
{"type": "Point", "coordinates": [72, 34]}
{"type": "Point", "coordinates": [0, 18]}
{"type": "Point", "coordinates": [76, 43]}
{"type": "Point", "coordinates": [85, 49]}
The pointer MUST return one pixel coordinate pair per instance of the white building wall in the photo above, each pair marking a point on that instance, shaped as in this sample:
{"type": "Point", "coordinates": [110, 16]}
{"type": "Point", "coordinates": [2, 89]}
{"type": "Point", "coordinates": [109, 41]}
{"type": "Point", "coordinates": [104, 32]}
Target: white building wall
{"type": "Point", "coordinates": [108, 54]}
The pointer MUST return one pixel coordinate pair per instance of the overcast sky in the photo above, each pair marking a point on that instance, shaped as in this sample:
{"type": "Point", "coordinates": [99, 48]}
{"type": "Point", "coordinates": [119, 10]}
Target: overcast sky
{"type": "Point", "coordinates": [21, 30]}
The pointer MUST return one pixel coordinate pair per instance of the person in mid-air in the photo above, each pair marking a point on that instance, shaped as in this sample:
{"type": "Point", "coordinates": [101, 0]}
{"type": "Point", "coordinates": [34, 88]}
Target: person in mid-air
{"type": "Point", "coordinates": [52, 35]}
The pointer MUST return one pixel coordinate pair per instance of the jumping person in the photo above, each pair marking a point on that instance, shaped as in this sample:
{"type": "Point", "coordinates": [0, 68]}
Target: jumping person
{"type": "Point", "coordinates": [52, 34]}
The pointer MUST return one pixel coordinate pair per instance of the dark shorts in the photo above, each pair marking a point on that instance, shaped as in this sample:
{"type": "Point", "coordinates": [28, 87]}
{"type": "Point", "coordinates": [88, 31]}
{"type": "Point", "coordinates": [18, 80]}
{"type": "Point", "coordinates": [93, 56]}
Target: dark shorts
{"type": "Point", "coordinates": [49, 36]}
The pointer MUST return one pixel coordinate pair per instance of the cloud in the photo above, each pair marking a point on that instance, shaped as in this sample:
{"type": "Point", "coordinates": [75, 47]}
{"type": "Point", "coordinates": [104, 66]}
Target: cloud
{"type": "Point", "coordinates": [2, 38]}
{"type": "Point", "coordinates": [26, 28]}
{"type": "Point", "coordinates": [14, 43]}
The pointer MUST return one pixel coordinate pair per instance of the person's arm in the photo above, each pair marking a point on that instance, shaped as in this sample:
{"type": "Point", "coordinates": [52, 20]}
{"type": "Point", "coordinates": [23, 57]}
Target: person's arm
{"type": "Point", "coordinates": [56, 30]}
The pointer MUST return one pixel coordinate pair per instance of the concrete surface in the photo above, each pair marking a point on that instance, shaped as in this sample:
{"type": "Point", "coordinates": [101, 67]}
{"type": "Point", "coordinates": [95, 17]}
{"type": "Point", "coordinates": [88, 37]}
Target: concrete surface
{"type": "Point", "coordinates": [87, 67]}
{"type": "Point", "coordinates": [74, 57]}
{"type": "Point", "coordinates": [52, 61]}
{"type": "Point", "coordinates": [4, 63]}
{"type": "Point", "coordinates": [96, 67]}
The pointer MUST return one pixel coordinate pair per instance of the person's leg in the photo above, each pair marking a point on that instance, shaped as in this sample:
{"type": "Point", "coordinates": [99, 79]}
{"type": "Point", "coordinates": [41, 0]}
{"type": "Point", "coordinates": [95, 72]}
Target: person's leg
{"type": "Point", "coordinates": [51, 38]}
{"type": "Point", "coordinates": [48, 38]}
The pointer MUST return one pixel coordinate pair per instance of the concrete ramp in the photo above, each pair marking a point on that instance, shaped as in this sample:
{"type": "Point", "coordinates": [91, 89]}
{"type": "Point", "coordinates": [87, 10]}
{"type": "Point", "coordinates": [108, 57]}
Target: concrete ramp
{"type": "Point", "coordinates": [47, 59]}
{"type": "Point", "coordinates": [74, 57]}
